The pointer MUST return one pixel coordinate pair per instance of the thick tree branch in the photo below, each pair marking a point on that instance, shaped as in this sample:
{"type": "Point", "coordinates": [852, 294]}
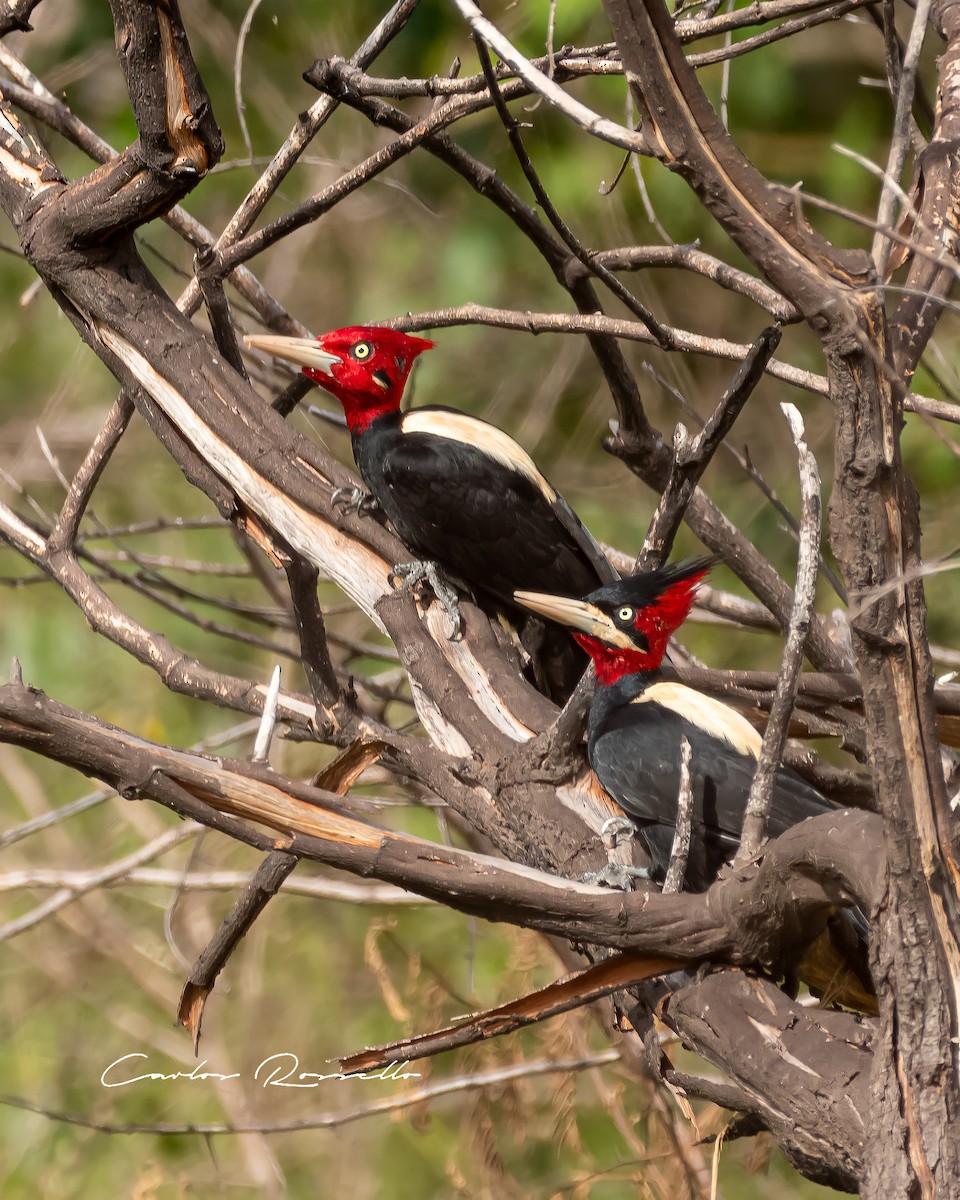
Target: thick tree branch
{"type": "Point", "coordinates": [16, 15]}
{"type": "Point", "coordinates": [822, 1060]}
{"type": "Point", "coordinates": [685, 132]}
{"type": "Point", "coordinates": [754, 915]}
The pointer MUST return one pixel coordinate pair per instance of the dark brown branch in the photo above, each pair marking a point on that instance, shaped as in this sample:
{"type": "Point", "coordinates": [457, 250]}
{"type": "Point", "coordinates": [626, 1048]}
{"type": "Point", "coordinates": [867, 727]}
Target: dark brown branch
{"type": "Point", "coordinates": [822, 1061]}
{"type": "Point", "coordinates": [179, 139]}
{"type": "Point", "coordinates": [692, 458]}
{"type": "Point", "coordinates": [756, 914]}
{"type": "Point", "coordinates": [178, 133]}
{"type": "Point", "coordinates": [314, 655]}
{"type": "Point", "coordinates": [292, 394]}
{"type": "Point", "coordinates": [218, 310]}
{"type": "Point", "coordinates": [603, 979]}
{"type": "Point", "coordinates": [64, 534]}
{"type": "Point", "coordinates": [236, 924]}
{"type": "Point", "coordinates": [17, 16]}
{"type": "Point", "coordinates": [586, 258]}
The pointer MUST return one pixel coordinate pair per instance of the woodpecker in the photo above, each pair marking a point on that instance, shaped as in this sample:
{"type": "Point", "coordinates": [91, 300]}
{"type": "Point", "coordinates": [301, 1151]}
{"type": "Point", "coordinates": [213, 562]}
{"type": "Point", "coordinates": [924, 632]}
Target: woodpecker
{"type": "Point", "coordinates": [458, 490]}
{"type": "Point", "coordinates": [637, 721]}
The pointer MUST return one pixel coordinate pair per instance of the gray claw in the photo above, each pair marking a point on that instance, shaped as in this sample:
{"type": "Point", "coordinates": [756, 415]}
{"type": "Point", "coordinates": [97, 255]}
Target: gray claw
{"type": "Point", "coordinates": [613, 827]}
{"type": "Point", "coordinates": [362, 503]}
{"type": "Point", "coordinates": [616, 875]}
{"type": "Point", "coordinates": [412, 573]}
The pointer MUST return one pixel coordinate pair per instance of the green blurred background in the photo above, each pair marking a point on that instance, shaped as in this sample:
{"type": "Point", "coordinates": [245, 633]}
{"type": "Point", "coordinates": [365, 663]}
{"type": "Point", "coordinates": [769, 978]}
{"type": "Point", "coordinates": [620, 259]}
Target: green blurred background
{"type": "Point", "coordinates": [100, 978]}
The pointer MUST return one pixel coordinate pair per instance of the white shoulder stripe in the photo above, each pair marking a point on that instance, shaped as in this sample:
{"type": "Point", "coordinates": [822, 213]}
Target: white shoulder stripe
{"type": "Point", "coordinates": [712, 716]}
{"type": "Point", "coordinates": [458, 427]}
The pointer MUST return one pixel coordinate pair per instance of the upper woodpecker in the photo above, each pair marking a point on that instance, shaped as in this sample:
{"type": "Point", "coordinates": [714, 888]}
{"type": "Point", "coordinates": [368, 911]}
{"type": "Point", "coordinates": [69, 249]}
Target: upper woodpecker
{"type": "Point", "coordinates": [456, 489]}
{"type": "Point", "coordinates": [635, 728]}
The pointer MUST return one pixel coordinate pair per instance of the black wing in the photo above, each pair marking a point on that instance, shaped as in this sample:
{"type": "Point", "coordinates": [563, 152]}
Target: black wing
{"type": "Point", "coordinates": [637, 759]}
{"type": "Point", "coordinates": [499, 527]}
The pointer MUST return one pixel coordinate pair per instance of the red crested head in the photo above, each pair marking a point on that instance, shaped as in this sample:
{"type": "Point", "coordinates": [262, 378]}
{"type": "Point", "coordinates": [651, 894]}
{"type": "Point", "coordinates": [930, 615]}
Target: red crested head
{"type": "Point", "coordinates": [625, 626]}
{"type": "Point", "coordinates": [372, 368]}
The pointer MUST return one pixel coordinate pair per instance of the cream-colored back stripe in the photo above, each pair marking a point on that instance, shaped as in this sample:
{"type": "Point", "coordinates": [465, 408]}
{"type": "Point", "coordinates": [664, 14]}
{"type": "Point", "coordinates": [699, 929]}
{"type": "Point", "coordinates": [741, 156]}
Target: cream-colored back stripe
{"type": "Point", "coordinates": [712, 716]}
{"type": "Point", "coordinates": [458, 427]}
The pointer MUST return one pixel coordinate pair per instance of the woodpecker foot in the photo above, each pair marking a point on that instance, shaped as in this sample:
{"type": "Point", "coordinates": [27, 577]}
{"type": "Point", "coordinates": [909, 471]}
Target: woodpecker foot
{"type": "Point", "coordinates": [613, 829]}
{"type": "Point", "coordinates": [412, 573]}
{"type": "Point", "coordinates": [362, 503]}
{"type": "Point", "coordinates": [617, 875]}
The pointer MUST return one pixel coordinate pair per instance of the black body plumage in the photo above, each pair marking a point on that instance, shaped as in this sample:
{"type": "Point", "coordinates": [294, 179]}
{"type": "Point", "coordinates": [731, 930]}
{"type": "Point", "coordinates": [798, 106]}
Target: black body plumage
{"type": "Point", "coordinates": [494, 526]}
{"type": "Point", "coordinates": [634, 747]}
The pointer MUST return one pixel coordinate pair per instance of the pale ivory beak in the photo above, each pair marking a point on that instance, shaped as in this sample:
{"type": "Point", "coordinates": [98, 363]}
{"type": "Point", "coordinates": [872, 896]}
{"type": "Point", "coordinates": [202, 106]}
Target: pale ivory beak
{"type": "Point", "coordinates": [303, 351]}
{"type": "Point", "coordinates": [576, 614]}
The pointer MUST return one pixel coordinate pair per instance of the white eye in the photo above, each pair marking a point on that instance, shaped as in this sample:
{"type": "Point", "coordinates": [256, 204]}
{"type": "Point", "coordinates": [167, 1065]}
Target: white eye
{"type": "Point", "coordinates": [361, 351]}
{"type": "Point", "coordinates": [625, 613]}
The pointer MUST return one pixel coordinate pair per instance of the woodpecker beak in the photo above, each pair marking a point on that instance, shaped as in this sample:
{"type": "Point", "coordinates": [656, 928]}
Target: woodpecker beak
{"type": "Point", "coordinates": [576, 614]}
{"type": "Point", "coordinates": [305, 352]}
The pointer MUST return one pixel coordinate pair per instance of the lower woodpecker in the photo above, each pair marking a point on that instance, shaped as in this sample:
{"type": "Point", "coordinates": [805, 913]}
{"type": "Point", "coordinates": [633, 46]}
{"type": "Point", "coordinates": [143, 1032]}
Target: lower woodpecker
{"type": "Point", "coordinates": [637, 721]}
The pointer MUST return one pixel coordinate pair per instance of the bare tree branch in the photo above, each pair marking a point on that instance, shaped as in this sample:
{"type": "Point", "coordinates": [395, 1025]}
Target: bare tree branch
{"type": "Point", "coordinates": [775, 735]}
{"type": "Point", "coordinates": [692, 458]}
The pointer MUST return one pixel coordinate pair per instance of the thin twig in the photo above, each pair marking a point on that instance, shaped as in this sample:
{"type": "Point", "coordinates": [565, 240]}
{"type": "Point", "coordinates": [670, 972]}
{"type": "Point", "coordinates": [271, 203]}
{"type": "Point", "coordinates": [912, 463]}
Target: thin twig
{"type": "Point", "coordinates": [691, 457]}
{"type": "Point", "coordinates": [315, 888]}
{"type": "Point", "coordinates": [683, 340]}
{"type": "Point", "coordinates": [238, 73]}
{"type": "Point", "coordinates": [307, 127]}
{"type": "Point", "coordinates": [566, 234]}
{"type": "Point", "coordinates": [64, 532]}
{"type": "Point", "coordinates": [900, 135]}
{"type": "Point", "coordinates": [775, 735]}
{"type": "Point", "coordinates": [96, 879]}
{"type": "Point", "coordinates": [680, 850]}
{"type": "Point", "coordinates": [601, 127]}
{"type": "Point", "coordinates": [831, 12]}
{"type": "Point", "coordinates": [333, 1120]}
{"type": "Point", "coordinates": [268, 720]}
{"type": "Point", "coordinates": [692, 258]}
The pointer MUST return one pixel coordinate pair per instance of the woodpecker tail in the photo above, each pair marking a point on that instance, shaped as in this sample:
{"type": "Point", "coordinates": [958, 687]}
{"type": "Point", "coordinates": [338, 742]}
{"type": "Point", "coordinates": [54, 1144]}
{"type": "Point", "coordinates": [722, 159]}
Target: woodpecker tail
{"type": "Point", "coordinates": [835, 968]}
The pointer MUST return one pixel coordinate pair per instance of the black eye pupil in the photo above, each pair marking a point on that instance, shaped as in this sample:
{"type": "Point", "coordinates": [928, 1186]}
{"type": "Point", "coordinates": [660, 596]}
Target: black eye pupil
{"type": "Point", "coordinates": [361, 350]}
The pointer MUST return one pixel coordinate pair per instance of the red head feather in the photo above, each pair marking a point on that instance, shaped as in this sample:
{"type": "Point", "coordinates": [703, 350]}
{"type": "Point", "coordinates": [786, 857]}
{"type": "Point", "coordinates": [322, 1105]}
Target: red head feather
{"type": "Point", "coordinates": [372, 372]}
{"type": "Point", "coordinates": [658, 603]}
